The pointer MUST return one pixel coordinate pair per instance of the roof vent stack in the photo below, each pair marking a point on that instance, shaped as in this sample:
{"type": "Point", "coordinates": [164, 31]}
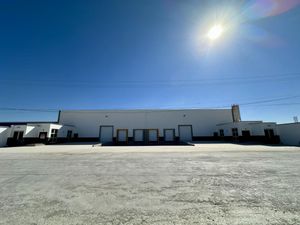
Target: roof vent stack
{"type": "Point", "coordinates": [235, 110]}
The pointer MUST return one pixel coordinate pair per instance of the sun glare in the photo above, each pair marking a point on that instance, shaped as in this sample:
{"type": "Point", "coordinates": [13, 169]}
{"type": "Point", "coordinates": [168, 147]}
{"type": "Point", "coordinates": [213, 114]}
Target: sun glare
{"type": "Point", "coordinates": [215, 32]}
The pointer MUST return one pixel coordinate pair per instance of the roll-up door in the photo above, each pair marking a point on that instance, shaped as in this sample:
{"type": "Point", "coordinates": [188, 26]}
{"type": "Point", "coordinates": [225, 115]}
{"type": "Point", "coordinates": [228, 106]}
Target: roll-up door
{"type": "Point", "coordinates": [169, 135]}
{"type": "Point", "coordinates": [185, 133]}
{"type": "Point", "coordinates": [106, 134]}
{"type": "Point", "coordinates": [122, 135]}
{"type": "Point", "coordinates": [138, 135]}
{"type": "Point", "coordinates": [153, 135]}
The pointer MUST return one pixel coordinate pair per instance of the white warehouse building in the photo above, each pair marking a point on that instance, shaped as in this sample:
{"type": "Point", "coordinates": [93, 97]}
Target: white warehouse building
{"type": "Point", "coordinates": [145, 125]}
{"type": "Point", "coordinates": [123, 127]}
{"type": "Point", "coordinates": [150, 126]}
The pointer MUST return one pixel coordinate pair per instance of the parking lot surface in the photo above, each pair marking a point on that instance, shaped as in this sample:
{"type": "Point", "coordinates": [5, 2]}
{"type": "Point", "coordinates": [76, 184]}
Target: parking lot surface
{"type": "Point", "coordinates": [202, 184]}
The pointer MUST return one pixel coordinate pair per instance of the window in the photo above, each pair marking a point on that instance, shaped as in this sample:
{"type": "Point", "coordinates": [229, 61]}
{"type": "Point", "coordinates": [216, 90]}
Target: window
{"type": "Point", "coordinates": [221, 132]}
{"type": "Point", "coordinates": [69, 134]}
{"type": "Point", "coordinates": [54, 133]}
{"type": "Point", "coordinates": [269, 133]}
{"type": "Point", "coordinates": [235, 132]}
{"type": "Point", "coordinates": [18, 135]}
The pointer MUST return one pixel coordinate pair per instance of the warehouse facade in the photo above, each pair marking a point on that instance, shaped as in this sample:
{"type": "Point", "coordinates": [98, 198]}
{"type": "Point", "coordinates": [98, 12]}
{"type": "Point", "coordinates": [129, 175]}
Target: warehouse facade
{"type": "Point", "coordinates": [167, 126]}
{"type": "Point", "coordinates": [145, 126]}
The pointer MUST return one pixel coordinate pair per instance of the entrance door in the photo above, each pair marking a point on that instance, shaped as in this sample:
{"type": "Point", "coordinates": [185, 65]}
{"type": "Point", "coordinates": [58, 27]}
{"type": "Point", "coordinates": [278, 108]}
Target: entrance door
{"type": "Point", "coordinates": [106, 134]}
{"type": "Point", "coordinates": [53, 136]}
{"type": "Point", "coordinates": [169, 135]}
{"type": "Point", "coordinates": [246, 133]}
{"type": "Point", "coordinates": [122, 135]}
{"type": "Point", "coordinates": [138, 135]}
{"type": "Point", "coordinates": [153, 135]}
{"type": "Point", "coordinates": [246, 136]}
{"type": "Point", "coordinates": [43, 136]}
{"type": "Point", "coordinates": [269, 133]}
{"type": "Point", "coordinates": [69, 134]}
{"type": "Point", "coordinates": [185, 133]}
{"type": "Point", "coordinates": [18, 135]}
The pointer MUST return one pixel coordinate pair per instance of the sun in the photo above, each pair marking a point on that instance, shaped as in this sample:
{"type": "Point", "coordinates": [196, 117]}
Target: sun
{"type": "Point", "coordinates": [215, 32]}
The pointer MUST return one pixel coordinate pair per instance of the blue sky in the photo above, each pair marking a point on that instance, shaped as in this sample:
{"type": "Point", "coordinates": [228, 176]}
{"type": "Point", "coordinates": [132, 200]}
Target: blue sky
{"type": "Point", "coordinates": [149, 54]}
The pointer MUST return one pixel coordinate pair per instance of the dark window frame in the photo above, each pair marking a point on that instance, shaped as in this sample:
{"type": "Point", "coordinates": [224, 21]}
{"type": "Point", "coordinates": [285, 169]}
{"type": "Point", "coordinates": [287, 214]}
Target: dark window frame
{"type": "Point", "coordinates": [235, 132]}
{"type": "Point", "coordinates": [221, 131]}
{"type": "Point", "coordinates": [54, 133]}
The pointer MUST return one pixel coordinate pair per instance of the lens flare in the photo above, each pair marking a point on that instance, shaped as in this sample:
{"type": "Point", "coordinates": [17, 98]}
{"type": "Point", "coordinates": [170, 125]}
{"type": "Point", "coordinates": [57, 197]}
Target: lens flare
{"type": "Point", "coordinates": [215, 32]}
{"type": "Point", "coordinates": [236, 21]}
{"type": "Point", "coordinates": [257, 9]}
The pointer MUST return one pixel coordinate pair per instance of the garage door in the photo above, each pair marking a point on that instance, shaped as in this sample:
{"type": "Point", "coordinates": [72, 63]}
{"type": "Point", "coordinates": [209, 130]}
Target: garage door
{"type": "Point", "coordinates": [153, 135]}
{"type": "Point", "coordinates": [169, 135]}
{"type": "Point", "coordinates": [106, 134]}
{"type": "Point", "coordinates": [185, 133]}
{"type": "Point", "coordinates": [122, 135]}
{"type": "Point", "coordinates": [138, 135]}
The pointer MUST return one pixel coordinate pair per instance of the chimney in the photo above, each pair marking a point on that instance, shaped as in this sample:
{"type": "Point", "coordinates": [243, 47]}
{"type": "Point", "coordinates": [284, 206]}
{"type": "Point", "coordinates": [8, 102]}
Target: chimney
{"type": "Point", "coordinates": [235, 110]}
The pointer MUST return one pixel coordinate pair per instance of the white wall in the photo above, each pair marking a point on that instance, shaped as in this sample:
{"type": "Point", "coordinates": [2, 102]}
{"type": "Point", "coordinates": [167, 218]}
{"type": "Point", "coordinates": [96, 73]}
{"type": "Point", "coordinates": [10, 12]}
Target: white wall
{"type": "Point", "coordinates": [203, 121]}
{"type": "Point", "coordinates": [255, 128]}
{"type": "Point", "coordinates": [239, 125]}
{"type": "Point", "coordinates": [290, 133]}
{"type": "Point", "coordinates": [42, 127]}
{"type": "Point", "coordinates": [4, 134]}
{"type": "Point", "coordinates": [258, 129]}
{"type": "Point", "coordinates": [62, 130]}
{"type": "Point", "coordinates": [33, 130]}
{"type": "Point", "coordinates": [226, 128]}
{"type": "Point", "coordinates": [28, 130]}
{"type": "Point", "coordinates": [47, 127]}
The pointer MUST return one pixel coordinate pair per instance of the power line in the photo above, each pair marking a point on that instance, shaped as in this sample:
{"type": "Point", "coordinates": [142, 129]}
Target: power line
{"type": "Point", "coordinates": [269, 100]}
{"type": "Point", "coordinates": [279, 104]}
{"type": "Point", "coordinates": [29, 110]}
{"type": "Point", "coordinates": [251, 103]}
{"type": "Point", "coordinates": [154, 83]}
{"type": "Point", "coordinates": [260, 101]}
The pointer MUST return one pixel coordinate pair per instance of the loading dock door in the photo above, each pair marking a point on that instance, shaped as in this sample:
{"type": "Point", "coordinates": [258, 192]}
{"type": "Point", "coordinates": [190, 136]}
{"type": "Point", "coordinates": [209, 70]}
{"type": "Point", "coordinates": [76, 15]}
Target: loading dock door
{"type": "Point", "coordinates": [185, 133]}
{"type": "Point", "coordinates": [153, 135]}
{"type": "Point", "coordinates": [122, 135]}
{"type": "Point", "coordinates": [106, 134]}
{"type": "Point", "coordinates": [138, 135]}
{"type": "Point", "coordinates": [169, 135]}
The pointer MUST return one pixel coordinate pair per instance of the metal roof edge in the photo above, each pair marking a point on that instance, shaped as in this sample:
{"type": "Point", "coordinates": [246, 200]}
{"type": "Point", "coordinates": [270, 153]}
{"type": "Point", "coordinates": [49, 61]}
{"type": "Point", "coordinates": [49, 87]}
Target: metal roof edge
{"type": "Point", "coordinates": [141, 110]}
{"type": "Point", "coordinates": [24, 123]}
{"type": "Point", "coordinates": [288, 123]}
